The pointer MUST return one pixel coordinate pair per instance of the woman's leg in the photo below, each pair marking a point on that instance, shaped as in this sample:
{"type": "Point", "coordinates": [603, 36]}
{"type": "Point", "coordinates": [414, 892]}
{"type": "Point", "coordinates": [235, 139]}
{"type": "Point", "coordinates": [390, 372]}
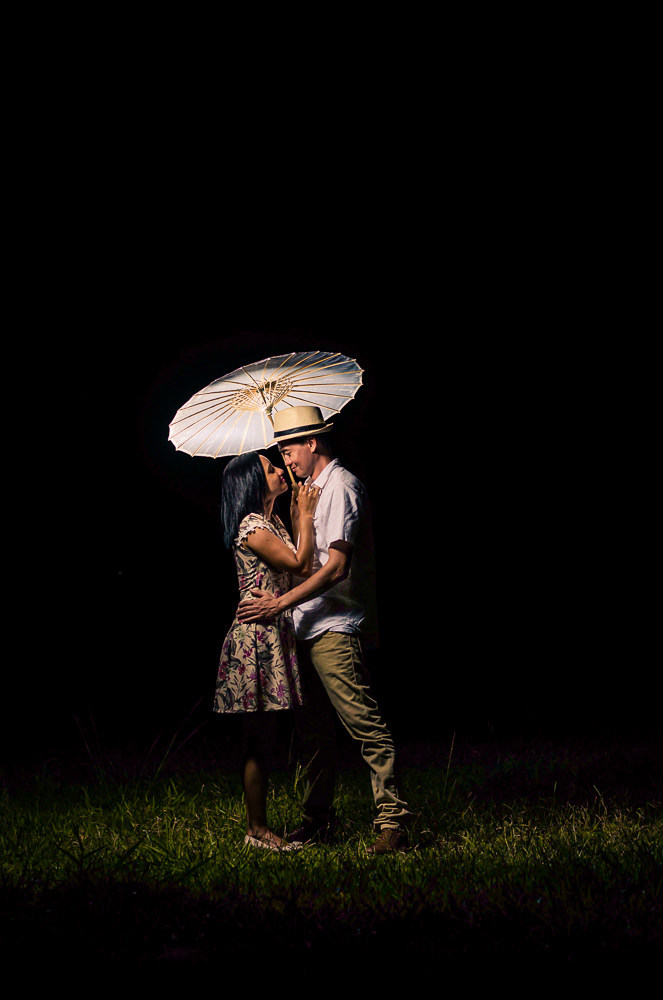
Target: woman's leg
{"type": "Point", "coordinates": [259, 734]}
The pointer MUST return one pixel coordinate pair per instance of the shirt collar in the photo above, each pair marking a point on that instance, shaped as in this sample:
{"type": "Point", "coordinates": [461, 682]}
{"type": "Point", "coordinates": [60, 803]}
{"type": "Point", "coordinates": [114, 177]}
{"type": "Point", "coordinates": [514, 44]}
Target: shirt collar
{"type": "Point", "coordinates": [324, 475]}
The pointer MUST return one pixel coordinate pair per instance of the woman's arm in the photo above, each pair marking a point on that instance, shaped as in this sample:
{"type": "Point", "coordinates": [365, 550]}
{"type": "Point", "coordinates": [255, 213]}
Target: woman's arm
{"type": "Point", "coordinates": [294, 510]}
{"type": "Point", "coordinates": [276, 553]}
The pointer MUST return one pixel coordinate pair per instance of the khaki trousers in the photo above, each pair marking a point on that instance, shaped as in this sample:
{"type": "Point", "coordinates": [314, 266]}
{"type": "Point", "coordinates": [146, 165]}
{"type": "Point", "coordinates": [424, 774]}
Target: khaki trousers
{"type": "Point", "coordinates": [334, 677]}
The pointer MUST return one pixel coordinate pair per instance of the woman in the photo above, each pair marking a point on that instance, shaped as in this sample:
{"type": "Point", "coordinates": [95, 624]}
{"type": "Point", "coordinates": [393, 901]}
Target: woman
{"type": "Point", "coordinates": [258, 673]}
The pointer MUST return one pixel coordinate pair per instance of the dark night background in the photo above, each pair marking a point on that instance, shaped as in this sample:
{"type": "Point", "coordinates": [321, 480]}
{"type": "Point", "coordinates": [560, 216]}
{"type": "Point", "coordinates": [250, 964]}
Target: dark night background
{"type": "Point", "coordinates": [504, 609]}
{"type": "Point", "coordinates": [156, 252]}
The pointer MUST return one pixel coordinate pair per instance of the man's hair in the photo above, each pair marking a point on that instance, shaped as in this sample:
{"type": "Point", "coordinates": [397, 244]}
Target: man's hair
{"type": "Point", "coordinates": [243, 488]}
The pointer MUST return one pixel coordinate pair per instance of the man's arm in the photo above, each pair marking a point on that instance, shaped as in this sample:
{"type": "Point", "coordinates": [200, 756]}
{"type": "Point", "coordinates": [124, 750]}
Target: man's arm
{"type": "Point", "coordinates": [263, 606]}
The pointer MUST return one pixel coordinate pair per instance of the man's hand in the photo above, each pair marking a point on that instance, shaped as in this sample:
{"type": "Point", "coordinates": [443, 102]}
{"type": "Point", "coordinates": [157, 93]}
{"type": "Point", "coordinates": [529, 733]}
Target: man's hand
{"type": "Point", "coordinates": [262, 608]}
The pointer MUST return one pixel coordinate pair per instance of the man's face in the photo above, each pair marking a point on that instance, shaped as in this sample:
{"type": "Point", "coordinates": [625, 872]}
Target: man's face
{"type": "Point", "coordinates": [299, 457]}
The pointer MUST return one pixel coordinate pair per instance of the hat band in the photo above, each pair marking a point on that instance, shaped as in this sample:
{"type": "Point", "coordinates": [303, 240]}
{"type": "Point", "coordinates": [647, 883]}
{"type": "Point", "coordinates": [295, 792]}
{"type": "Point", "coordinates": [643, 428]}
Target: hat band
{"type": "Point", "coordinates": [298, 430]}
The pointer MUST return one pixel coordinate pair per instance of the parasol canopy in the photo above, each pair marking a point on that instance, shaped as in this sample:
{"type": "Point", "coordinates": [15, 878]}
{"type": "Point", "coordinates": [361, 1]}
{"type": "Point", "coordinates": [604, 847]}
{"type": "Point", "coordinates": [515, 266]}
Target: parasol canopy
{"type": "Point", "coordinates": [233, 414]}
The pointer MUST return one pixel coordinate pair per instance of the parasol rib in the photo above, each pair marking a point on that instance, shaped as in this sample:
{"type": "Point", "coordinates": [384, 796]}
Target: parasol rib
{"type": "Point", "coordinates": [214, 430]}
{"type": "Point", "coordinates": [206, 420]}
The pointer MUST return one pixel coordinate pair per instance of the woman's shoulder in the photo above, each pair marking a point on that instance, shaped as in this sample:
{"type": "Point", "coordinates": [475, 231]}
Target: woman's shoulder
{"type": "Point", "coordinates": [251, 523]}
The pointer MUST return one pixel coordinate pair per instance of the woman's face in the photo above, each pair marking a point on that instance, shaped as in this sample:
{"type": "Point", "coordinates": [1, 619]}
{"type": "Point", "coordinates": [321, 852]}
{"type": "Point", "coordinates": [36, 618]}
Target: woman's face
{"type": "Point", "coordinates": [274, 478]}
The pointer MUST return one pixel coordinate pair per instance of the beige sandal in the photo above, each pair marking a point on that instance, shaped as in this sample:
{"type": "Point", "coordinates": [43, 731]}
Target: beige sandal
{"type": "Point", "coordinates": [269, 846]}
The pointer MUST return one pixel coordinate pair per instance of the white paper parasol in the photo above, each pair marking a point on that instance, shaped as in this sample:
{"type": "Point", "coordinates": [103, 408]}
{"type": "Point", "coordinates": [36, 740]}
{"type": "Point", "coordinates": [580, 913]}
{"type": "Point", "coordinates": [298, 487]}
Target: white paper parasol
{"type": "Point", "coordinates": [233, 414]}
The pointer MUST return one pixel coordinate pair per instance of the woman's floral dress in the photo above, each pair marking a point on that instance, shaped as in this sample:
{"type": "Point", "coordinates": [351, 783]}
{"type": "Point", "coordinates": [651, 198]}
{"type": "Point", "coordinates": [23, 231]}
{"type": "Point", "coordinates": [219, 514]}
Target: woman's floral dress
{"type": "Point", "coordinates": [258, 667]}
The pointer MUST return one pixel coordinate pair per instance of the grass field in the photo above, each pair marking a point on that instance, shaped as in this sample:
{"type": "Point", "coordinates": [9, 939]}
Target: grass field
{"type": "Point", "coordinates": [541, 852]}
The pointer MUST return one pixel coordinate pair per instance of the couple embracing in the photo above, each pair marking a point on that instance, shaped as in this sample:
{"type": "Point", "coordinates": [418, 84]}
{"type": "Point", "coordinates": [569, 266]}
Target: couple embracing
{"type": "Point", "coordinates": [306, 610]}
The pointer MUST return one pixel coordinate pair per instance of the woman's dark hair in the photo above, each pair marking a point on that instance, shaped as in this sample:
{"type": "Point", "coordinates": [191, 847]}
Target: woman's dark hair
{"type": "Point", "coordinates": [243, 489]}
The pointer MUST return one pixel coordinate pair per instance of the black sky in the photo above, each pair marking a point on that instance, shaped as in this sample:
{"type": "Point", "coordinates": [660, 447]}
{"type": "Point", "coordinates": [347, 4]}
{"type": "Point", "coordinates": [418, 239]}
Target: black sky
{"type": "Point", "coordinates": [155, 249]}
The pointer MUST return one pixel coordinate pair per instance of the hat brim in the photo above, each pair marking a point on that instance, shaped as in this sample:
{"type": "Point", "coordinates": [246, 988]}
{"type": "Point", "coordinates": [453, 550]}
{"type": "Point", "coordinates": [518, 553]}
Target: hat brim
{"type": "Point", "coordinates": [294, 435]}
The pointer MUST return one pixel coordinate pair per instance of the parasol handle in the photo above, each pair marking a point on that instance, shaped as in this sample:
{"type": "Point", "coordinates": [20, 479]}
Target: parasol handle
{"type": "Point", "coordinates": [292, 478]}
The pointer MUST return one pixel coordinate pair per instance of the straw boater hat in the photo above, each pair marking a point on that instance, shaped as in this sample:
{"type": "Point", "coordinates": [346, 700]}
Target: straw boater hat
{"type": "Point", "coordinates": [298, 421]}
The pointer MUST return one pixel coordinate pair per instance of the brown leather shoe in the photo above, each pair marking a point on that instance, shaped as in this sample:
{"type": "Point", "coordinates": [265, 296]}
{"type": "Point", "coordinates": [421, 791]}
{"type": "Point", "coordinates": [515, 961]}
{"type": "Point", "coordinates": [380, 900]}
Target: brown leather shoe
{"type": "Point", "coordinates": [389, 840]}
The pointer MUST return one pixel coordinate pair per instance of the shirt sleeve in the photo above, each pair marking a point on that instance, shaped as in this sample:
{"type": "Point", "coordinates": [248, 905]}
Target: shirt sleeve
{"type": "Point", "coordinates": [345, 512]}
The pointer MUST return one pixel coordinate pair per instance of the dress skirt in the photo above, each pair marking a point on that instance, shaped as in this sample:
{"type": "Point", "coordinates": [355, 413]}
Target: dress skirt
{"type": "Point", "coordinates": [258, 669]}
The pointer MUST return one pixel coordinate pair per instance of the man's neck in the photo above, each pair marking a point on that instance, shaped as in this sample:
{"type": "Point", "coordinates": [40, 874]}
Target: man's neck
{"type": "Point", "coordinates": [320, 462]}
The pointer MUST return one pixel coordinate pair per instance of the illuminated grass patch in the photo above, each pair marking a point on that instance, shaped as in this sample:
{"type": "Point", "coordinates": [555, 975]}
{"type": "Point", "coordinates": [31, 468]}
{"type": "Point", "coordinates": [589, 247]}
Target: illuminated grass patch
{"type": "Point", "coordinates": [550, 853]}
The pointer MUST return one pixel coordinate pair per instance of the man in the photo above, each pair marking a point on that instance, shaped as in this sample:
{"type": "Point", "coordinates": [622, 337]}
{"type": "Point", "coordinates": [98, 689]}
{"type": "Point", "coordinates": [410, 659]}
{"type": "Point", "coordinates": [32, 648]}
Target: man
{"type": "Point", "coordinates": [333, 613]}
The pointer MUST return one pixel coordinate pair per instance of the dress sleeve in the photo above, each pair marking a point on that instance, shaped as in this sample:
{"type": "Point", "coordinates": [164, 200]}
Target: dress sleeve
{"type": "Point", "coordinates": [251, 523]}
